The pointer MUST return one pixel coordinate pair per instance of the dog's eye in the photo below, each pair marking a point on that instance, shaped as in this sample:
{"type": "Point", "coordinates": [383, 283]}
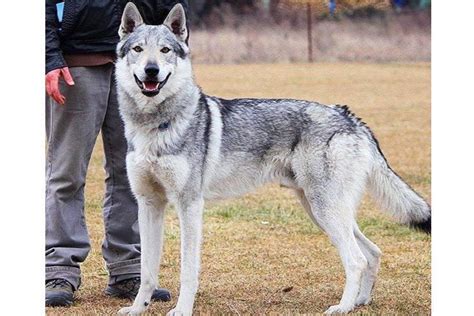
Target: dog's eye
{"type": "Point", "coordinates": [138, 49]}
{"type": "Point", "coordinates": [165, 50]}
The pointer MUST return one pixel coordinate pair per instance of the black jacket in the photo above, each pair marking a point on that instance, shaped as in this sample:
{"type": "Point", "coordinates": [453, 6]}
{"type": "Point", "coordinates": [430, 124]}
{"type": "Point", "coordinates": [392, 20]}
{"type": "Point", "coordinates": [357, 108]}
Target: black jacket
{"type": "Point", "coordinates": [91, 26]}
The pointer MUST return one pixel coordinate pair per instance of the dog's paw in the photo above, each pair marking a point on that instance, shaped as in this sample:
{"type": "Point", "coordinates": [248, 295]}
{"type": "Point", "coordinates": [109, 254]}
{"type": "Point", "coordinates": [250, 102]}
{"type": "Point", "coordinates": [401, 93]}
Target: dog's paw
{"type": "Point", "coordinates": [131, 310]}
{"type": "Point", "coordinates": [177, 312]}
{"type": "Point", "coordinates": [124, 310]}
{"type": "Point", "coordinates": [363, 300]}
{"type": "Point", "coordinates": [338, 310]}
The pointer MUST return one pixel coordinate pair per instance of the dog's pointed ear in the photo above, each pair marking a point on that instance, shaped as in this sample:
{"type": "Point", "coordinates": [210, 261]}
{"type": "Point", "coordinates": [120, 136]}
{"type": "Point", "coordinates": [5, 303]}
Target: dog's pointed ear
{"type": "Point", "coordinates": [176, 22]}
{"type": "Point", "coordinates": [131, 19]}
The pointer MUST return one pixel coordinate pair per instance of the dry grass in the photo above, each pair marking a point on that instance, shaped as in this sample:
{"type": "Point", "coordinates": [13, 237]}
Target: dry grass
{"type": "Point", "coordinates": [263, 243]}
{"type": "Point", "coordinates": [405, 37]}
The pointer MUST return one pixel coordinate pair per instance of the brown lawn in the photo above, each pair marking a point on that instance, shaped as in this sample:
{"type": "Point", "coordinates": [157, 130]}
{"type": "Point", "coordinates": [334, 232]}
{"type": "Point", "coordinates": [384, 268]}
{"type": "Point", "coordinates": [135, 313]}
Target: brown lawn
{"type": "Point", "coordinates": [259, 245]}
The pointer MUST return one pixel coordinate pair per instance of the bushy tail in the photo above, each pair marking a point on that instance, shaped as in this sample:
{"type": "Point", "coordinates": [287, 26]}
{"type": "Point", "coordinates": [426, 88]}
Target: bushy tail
{"type": "Point", "coordinates": [396, 196]}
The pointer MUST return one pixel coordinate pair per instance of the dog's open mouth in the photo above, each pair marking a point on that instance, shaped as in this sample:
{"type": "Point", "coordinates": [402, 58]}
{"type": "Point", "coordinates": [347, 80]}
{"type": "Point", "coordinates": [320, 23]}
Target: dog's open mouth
{"type": "Point", "coordinates": [150, 88]}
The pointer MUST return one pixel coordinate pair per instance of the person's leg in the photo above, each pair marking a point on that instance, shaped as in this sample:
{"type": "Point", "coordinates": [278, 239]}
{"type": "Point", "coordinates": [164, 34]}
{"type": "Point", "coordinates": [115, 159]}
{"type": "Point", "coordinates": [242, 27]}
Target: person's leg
{"type": "Point", "coordinates": [121, 245]}
{"type": "Point", "coordinates": [71, 130]}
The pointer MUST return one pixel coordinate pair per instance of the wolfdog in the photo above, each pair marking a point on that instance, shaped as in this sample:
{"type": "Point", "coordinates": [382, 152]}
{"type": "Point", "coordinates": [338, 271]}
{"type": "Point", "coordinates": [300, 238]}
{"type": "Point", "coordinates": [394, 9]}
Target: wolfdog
{"type": "Point", "coordinates": [186, 146]}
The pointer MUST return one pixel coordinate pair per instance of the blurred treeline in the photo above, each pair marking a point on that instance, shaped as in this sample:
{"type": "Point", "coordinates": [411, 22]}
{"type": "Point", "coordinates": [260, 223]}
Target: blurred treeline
{"type": "Point", "coordinates": [210, 13]}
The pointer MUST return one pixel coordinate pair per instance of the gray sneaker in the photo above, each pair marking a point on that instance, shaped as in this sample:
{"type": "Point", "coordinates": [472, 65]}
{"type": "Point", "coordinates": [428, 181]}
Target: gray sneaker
{"type": "Point", "coordinates": [59, 292]}
{"type": "Point", "coordinates": [129, 289]}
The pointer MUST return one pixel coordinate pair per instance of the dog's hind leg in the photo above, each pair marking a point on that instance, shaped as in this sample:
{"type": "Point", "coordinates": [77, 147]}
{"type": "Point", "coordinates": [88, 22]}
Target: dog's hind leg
{"type": "Point", "coordinates": [372, 253]}
{"type": "Point", "coordinates": [331, 195]}
{"type": "Point", "coordinates": [333, 176]}
{"type": "Point", "coordinates": [337, 221]}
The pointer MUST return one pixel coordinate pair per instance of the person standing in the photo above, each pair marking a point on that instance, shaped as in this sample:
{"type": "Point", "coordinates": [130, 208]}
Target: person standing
{"type": "Point", "coordinates": [81, 101]}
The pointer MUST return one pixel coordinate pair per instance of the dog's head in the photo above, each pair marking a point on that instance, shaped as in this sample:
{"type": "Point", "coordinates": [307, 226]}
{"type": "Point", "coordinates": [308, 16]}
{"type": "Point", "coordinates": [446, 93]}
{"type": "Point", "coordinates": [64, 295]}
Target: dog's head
{"type": "Point", "coordinates": [150, 57]}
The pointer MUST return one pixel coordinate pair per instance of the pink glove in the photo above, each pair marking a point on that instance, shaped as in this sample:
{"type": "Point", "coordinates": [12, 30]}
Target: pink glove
{"type": "Point", "coordinates": [52, 83]}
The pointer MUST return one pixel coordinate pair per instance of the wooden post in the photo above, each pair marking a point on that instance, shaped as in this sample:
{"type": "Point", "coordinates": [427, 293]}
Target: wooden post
{"type": "Point", "coordinates": [310, 32]}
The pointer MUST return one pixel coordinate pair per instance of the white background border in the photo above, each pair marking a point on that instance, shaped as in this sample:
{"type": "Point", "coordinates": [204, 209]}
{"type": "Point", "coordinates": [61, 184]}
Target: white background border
{"type": "Point", "coordinates": [22, 131]}
{"type": "Point", "coordinates": [23, 147]}
{"type": "Point", "coordinates": [453, 158]}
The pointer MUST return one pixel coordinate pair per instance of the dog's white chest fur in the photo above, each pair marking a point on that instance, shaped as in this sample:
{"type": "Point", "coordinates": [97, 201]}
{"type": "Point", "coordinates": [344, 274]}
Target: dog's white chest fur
{"type": "Point", "coordinates": [170, 171]}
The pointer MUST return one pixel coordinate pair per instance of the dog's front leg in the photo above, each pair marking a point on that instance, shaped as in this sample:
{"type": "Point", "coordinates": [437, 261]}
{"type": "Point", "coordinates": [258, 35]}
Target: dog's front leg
{"type": "Point", "coordinates": [151, 212]}
{"type": "Point", "coordinates": [190, 216]}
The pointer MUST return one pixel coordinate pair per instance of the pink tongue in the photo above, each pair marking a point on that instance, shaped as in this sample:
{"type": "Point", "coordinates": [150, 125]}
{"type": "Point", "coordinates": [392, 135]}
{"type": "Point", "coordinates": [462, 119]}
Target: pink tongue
{"type": "Point", "coordinates": [150, 85]}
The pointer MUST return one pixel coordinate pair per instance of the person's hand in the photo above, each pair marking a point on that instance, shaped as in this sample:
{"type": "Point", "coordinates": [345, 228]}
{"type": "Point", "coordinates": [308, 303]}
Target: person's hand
{"type": "Point", "coordinates": [52, 83]}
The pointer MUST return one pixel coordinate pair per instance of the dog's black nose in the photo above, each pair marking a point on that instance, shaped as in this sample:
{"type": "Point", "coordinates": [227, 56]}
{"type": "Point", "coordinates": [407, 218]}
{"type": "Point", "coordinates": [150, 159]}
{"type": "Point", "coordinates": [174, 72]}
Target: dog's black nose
{"type": "Point", "coordinates": [152, 70]}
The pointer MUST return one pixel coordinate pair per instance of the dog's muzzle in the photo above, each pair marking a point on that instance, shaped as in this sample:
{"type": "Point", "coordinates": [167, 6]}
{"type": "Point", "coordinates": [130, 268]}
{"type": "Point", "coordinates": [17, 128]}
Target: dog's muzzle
{"type": "Point", "coordinates": [151, 87]}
